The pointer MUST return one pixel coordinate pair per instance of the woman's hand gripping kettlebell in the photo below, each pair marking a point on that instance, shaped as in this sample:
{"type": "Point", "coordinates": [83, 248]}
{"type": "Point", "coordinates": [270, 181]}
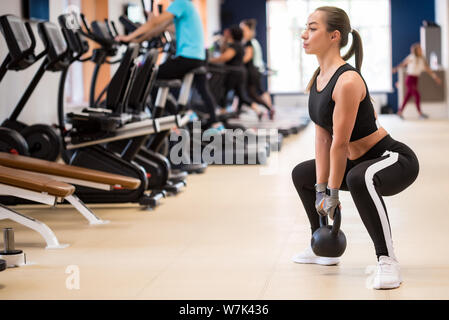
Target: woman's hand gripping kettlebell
{"type": "Point", "coordinates": [328, 202]}
{"type": "Point", "coordinates": [320, 189]}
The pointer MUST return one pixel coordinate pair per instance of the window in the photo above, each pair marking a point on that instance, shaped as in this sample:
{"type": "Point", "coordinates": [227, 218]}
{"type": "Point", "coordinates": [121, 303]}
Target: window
{"type": "Point", "coordinates": [286, 22]}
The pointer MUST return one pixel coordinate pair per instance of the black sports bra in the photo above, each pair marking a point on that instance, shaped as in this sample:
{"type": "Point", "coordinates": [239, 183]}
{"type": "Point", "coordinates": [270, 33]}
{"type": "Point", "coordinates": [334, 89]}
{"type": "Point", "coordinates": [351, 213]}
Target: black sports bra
{"type": "Point", "coordinates": [321, 107]}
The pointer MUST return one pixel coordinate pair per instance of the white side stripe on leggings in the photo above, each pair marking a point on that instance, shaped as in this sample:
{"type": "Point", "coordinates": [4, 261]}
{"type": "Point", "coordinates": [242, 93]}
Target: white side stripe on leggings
{"type": "Point", "coordinates": [369, 175]}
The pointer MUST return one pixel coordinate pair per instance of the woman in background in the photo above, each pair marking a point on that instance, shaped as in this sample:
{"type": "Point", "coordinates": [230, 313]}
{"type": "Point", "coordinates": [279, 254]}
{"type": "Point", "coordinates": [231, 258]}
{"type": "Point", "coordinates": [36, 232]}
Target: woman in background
{"type": "Point", "coordinates": [416, 64]}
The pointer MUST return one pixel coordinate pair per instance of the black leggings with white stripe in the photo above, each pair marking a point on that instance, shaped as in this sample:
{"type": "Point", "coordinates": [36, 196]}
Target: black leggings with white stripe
{"type": "Point", "coordinates": [385, 170]}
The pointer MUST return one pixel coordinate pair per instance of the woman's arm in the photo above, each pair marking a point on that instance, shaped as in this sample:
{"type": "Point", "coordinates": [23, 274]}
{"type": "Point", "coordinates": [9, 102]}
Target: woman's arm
{"type": "Point", "coordinates": [157, 30]}
{"type": "Point", "coordinates": [431, 73]}
{"type": "Point", "coordinates": [348, 92]}
{"type": "Point", "coordinates": [150, 29]}
{"type": "Point", "coordinates": [323, 141]}
{"type": "Point", "coordinates": [249, 53]}
{"type": "Point", "coordinates": [403, 64]}
{"type": "Point", "coordinates": [224, 57]}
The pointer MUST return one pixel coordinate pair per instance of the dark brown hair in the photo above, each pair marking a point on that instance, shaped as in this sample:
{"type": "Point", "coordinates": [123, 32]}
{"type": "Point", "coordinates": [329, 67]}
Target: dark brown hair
{"type": "Point", "coordinates": [236, 33]}
{"type": "Point", "coordinates": [337, 19]}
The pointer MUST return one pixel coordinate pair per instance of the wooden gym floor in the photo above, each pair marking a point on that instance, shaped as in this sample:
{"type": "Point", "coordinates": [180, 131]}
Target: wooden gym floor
{"type": "Point", "coordinates": [232, 232]}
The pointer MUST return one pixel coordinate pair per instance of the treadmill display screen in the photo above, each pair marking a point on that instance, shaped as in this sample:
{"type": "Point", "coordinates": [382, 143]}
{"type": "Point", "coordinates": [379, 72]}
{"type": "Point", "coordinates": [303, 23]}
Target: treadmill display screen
{"type": "Point", "coordinates": [56, 39]}
{"type": "Point", "coordinates": [20, 33]}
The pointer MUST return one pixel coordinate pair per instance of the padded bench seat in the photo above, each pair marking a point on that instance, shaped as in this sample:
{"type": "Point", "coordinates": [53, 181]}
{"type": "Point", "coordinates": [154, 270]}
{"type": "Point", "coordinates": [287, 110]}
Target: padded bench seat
{"type": "Point", "coordinates": [30, 181]}
{"type": "Point", "coordinates": [58, 169]}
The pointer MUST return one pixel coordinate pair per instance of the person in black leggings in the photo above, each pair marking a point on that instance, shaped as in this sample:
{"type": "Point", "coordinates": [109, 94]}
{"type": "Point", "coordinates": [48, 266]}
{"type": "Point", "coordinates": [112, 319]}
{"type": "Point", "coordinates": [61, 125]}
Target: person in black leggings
{"type": "Point", "coordinates": [190, 52]}
{"type": "Point", "coordinates": [353, 152]}
{"type": "Point", "coordinates": [236, 75]}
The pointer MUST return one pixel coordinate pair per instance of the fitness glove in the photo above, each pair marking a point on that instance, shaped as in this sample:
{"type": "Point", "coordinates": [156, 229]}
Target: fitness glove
{"type": "Point", "coordinates": [328, 203]}
{"type": "Point", "coordinates": [320, 189]}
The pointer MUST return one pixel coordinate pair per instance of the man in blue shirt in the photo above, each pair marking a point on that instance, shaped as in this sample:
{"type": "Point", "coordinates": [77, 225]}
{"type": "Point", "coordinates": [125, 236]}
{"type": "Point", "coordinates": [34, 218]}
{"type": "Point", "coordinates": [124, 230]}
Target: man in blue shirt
{"type": "Point", "coordinates": [190, 52]}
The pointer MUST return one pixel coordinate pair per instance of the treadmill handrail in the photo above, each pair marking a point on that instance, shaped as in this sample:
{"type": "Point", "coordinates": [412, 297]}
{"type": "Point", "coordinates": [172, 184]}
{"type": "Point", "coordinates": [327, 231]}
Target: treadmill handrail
{"type": "Point", "coordinates": [92, 36]}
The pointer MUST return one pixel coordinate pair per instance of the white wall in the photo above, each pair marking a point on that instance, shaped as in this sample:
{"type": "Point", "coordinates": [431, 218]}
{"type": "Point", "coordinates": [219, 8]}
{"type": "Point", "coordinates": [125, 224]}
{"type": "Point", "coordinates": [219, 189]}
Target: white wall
{"type": "Point", "coordinates": [442, 18]}
{"type": "Point", "coordinates": [42, 106]}
{"type": "Point", "coordinates": [213, 19]}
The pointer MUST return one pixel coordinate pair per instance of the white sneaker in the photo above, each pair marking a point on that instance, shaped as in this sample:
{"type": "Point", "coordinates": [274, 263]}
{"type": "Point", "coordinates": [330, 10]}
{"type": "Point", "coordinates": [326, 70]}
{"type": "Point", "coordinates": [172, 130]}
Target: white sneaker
{"type": "Point", "coordinates": [308, 256]}
{"type": "Point", "coordinates": [387, 274]}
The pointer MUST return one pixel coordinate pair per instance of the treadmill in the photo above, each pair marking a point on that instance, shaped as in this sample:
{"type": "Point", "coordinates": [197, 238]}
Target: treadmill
{"type": "Point", "coordinates": [121, 93]}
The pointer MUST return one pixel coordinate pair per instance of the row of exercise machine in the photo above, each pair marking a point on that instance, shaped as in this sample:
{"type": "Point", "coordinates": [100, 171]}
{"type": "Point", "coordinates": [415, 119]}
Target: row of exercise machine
{"type": "Point", "coordinates": [117, 149]}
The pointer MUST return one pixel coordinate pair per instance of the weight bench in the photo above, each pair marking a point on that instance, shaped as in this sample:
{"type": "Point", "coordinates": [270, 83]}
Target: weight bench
{"type": "Point", "coordinates": [69, 174]}
{"type": "Point", "coordinates": [36, 188]}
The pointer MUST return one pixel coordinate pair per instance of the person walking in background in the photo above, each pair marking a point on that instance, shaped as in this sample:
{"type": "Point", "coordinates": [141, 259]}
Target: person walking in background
{"type": "Point", "coordinates": [416, 64]}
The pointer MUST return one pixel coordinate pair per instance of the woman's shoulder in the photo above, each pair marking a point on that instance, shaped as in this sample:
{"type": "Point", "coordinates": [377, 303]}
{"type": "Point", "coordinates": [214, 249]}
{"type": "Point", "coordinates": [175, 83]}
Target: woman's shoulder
{"type": "Point", "coordinates": [350, 82]}
{"type": "Point", "coordinates": [347, 73]}
{"type": "Point", "coordinates": [412, 58]}
{"type": "Point", "coordinates": [350, 77]}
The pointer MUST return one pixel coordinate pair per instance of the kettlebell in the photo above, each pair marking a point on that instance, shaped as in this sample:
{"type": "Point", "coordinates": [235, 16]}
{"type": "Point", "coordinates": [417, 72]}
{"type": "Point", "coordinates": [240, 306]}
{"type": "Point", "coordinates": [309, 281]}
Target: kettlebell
{"type": "Point", "coordinates": [329, 241]}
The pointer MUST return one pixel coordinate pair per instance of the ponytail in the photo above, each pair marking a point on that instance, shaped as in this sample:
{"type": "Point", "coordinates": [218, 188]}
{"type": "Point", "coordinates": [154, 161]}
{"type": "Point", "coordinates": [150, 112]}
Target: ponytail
{"type": "Point", "coordinates": [356, 49]}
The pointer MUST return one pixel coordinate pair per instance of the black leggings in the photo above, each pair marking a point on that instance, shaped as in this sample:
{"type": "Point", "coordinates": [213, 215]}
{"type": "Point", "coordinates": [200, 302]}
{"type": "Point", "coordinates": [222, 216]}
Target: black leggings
{"type": "Point", "coordinates": [178, 67]}
{"type": "Point", "coordinates": [254, 86]}
{"type": "Point", "coordinates": [368, 178]}
{"type": "Point", "coordinates": [253, 93]}
{"type": "Point", "coordinates": [236, 80]}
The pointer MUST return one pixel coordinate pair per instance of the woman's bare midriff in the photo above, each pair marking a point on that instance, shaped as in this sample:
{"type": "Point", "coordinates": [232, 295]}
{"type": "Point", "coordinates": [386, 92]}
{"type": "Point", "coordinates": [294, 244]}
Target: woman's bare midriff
{"type": "Point", "coordinates": [359, 147]}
